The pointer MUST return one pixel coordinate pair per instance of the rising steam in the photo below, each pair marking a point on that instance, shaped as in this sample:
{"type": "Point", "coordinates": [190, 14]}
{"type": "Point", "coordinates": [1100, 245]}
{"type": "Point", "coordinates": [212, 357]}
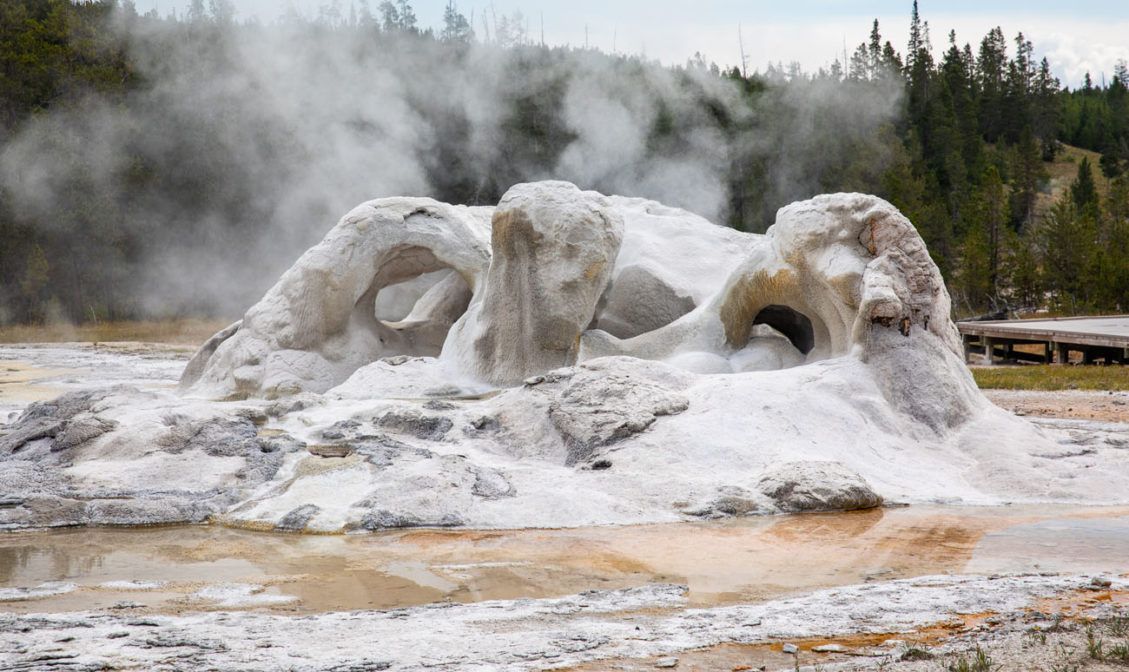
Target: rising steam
{"type": "Point", "coordinates": [244, 144]}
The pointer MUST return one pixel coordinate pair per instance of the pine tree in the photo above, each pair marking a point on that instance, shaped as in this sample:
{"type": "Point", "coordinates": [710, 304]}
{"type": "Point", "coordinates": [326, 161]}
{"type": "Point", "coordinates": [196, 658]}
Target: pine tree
{"type": "Point", "coordinates": [992, 211]}
{"type": "Point", "coordinates": [407, 16]}
{"type": "Point", "coordinates": [874, 53]}
{"type": "Point", "coordinates": [390, 16]}
{"type": "Point", "coordinates": [991, 69]}
{"type": "Point", "coordinates": [1113, 239]}
{"type": "Point", "coordinates": [860, 65]}
{"type": "Point", "coordinates": [1083, 191]}
{"type": "Point", "coordinates": [1027, 172]}
{"type": "Point", "coordinates": [916, 40]}
{"type": "Point", "coordinates": [456, 28]}
{"type": "Point", "coordinates": [1022, 270]}
{"type": "Point", "coordinates": [1069, 255]}
{"type": "Point", "coordinates": [223, 11]}
{"type": "Point", "coordinates": [1046, 110]}
{"type": "Point", "coordinates": [197, 12]}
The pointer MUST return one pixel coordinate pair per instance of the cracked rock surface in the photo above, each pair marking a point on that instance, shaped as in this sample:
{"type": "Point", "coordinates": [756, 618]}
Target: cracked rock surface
{"type": "Point", "coordinates": [649, 621]}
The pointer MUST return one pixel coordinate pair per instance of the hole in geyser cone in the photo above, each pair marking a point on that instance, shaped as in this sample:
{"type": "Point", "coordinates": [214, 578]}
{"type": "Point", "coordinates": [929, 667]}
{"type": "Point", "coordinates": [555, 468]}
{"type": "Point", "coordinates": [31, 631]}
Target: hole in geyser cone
{"type": "Point", "coordinates": [395, 302]}
{"type": "Point", "coordinates": [421, 309]}
{"type": "Point", "coordinates": [792, 324]}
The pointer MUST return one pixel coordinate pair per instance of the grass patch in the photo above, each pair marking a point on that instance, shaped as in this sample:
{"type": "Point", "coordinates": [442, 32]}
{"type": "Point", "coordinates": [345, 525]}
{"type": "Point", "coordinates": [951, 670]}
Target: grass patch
{"type": "Point", "coordinates": [1052, 377]}
{"type": "Point", "coordinates": [916, 652]}
{"type": "Point", "coordinates": [1062, 172]}
{"type": "Point", "coordinates": [179, 332]}
{"type": "Point", "coordinates": [978, 661]}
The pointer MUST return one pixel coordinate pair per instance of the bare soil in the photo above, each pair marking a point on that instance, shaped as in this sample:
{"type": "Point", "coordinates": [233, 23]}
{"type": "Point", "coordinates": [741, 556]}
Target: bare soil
{"type": "Point", "coordinates": [181, 332]}
{"type": "Point", "coordinates": [1105, 406]}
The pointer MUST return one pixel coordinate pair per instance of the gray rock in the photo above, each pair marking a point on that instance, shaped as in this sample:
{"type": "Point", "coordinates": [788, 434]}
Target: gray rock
{"type": "Point", "coordinates": [257, 416]}
{"type": "Point", "coordinates": [26, 431]}
{"type": "Point", "coordinates": [330, 450]}
{"type": "Point", "coordinates": [427, 427]}
{"type": "Point", "coordinates": [39, 492]}
{"type": "Point", "coordinates": [340, 430]}
{"type": "Point", "coordinates": [296, 520]}
{"type": "Point", "coordinates": [599, 406]}
{"type": "Point", "coordinates": [817, 486]}
{"type": "Point", "coordinates": [361, 666]}
{"type": "Point", "coordinates": [485, 423]}
{"type": "Point", "coordinates": [285, 407]}
{"type": "Point", "coordinates": [68, 415]}
{"type": "Point", "coordinates": [640, 301]}
{"type": "Point", "coordinates": [80, 429]}
{"type": "Point", "coordinates": [152, 509]}
{"type": "Point", "coordinates": [383, 519]}
{"type": "Point", "coordinates": [491, 484]}
{"type": "Point", "coordinates": [217, 436]}
{"type": "Point", "coordinates": [730, 501]}
{"type": "Point", "coordinates": [66, 406]}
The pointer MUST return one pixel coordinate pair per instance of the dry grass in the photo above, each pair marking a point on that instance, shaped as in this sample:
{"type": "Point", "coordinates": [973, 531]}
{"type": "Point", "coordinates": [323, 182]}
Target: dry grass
{"type": "Point", "coordinates": [1053, 377]}
{"type": "Point", "coordinates": [178, 332]}
{"type": "Point", "coordinates": [1062, 172]}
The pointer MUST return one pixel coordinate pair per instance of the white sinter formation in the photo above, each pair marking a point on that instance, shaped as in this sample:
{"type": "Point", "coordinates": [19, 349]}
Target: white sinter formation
{"type": "Point", "coordinates": [565, 358]}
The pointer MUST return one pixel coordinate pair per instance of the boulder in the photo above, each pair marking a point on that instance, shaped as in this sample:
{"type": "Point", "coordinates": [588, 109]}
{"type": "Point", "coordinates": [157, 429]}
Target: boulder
{"type": "Point", "coordinates": [817, 486]}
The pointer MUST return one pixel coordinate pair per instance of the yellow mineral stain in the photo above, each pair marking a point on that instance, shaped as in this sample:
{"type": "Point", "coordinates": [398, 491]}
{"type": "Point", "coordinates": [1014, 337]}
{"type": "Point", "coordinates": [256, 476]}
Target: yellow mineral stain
{"type": "Point", "coordinates": [21, 382]}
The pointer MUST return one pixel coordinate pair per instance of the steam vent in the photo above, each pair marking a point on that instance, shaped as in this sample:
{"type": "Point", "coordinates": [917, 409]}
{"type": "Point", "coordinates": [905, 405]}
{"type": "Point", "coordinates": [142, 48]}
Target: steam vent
{"type": "Point", "coordinates": [562, 359]}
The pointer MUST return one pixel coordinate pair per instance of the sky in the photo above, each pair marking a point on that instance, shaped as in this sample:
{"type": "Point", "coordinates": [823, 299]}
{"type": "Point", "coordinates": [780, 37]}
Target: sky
{"type": "Point", "coordinates": [1076, 36]}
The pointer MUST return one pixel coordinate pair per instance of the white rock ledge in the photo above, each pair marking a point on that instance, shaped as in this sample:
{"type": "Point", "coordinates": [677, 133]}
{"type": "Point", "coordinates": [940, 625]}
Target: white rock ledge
{"type": "Point", "coordinates": [504, 635]}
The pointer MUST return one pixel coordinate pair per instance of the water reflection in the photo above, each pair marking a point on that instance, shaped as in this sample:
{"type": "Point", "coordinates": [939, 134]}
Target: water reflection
{"type": "Point", "coordinates": [1094, 545]}
{"type": "Point", "coordinates": [748, 559]}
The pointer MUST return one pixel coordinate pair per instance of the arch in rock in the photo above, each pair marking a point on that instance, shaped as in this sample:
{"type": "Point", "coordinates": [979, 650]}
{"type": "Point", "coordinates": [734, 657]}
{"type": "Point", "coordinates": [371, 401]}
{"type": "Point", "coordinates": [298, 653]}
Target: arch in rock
{"type": "Point", "coordinates": [793, 324]}
{"type": "Point", "coordinates": [318, 324]}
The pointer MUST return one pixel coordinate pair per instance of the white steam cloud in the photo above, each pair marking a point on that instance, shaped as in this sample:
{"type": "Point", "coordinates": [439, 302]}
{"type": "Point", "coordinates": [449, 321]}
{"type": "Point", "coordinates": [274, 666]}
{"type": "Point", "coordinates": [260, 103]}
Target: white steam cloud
{"type": "Point", "coordinates": [244, 144]}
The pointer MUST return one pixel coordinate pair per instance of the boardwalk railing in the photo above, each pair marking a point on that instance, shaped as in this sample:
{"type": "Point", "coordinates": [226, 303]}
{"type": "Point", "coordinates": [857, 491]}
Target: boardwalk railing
{"type": "Point", "coordinates": [1093, 339]}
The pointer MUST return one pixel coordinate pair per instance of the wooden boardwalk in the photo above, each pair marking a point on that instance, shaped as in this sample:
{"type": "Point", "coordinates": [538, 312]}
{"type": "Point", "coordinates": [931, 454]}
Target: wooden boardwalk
{"type": "Point", "coordinates": [1094, 339]}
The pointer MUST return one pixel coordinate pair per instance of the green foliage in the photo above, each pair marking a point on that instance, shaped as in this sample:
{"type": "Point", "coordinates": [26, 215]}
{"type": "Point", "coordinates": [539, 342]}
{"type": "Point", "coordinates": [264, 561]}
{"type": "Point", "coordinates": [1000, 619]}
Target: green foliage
{"type": "Point", "coordinates": [1118, 625]}
{"type": "Point", "coordinates": [1052, 377]}
{"type": "Point", "coordinates": [979, 661]}
{"type": "Point", "coordinates": [1084, 192]}
{"type": "Point", "coordinates": [1069, 243]}
{"type": "Point", "coordinates": [456, 28]}
{"type": "Point", "coordinates": [915, 652]}
{"type": "Point", "coordinates": [1094, 645]}
{"type": "Point", "coordinates": [1118, 652]}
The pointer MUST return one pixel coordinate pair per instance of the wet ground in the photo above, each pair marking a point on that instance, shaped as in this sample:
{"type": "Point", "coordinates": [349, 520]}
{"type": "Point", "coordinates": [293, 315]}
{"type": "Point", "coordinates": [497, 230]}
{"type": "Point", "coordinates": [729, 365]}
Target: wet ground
{"type": "Point", "coordinates": [35, 372]}
{"type": "Point", "coordinates": [178, 569]}
{"type": "Point", "coordinates": [184, 570]}
{"type": "Point", "coordinates": [207, 567]}
{"type": "Point", "coordinates": [22, 382]}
